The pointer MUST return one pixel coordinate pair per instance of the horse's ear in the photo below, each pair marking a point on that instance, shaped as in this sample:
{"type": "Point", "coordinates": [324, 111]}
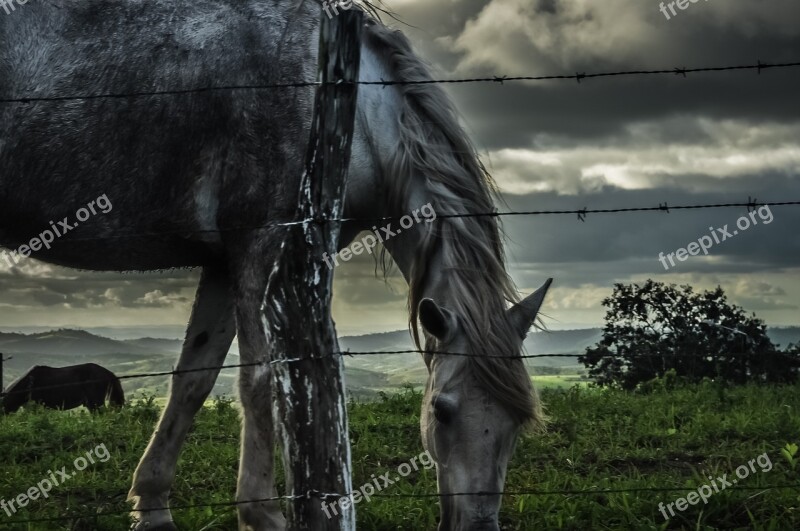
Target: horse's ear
{"type": "Point", "coordinates": [439, 322]}
{"type": "Point", "coordinates": [523, 314]}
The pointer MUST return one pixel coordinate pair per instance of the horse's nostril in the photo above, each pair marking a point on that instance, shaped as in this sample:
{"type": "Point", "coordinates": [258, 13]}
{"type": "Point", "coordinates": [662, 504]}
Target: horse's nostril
{"type": "Point", "coordinates": [486, 430]}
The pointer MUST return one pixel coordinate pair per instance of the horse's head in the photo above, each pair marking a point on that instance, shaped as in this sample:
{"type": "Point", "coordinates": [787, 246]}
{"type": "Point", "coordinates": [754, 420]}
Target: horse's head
{"type": "Point", "coordinates": [473, 409]}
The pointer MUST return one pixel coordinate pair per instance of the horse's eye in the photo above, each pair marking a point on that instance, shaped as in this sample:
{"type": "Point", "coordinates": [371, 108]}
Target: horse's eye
{"type": "Point", "coordinates": [444, 409]}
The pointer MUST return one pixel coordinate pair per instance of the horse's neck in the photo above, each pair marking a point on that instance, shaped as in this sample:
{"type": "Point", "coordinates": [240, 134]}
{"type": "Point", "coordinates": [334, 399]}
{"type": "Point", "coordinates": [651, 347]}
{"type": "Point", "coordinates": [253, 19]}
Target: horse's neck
{"type": "Point", "coordinates": [405, 248]}
{"type": "Point", "coordinates": [365, 202]}
{"type": "Point", "coordinates": [375, 137]}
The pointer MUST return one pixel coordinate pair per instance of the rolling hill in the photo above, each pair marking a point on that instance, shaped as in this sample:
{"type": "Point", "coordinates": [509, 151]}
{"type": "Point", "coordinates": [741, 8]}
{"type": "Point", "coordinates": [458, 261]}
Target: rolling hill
{"type": "Point", "coordinates": [365, 375]}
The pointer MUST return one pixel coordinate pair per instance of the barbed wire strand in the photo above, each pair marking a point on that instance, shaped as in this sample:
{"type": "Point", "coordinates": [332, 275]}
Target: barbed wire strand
{"type": "Point", "coordinates": [578, 76]}
{"type": "Point", "coordinates": [325, 496]}
{"type": "Point", "coordinates": [580, 213]}
{"type": "Point", "coordinates": [703, 357]}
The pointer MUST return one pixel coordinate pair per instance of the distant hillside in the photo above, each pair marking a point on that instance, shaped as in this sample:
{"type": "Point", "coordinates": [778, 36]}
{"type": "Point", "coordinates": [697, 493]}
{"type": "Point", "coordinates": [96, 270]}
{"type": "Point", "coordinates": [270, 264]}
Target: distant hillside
{"type": "Point", "coordinates": [154, 343]}
{"type": "Point", "coordinates": [112, 332]}
{"type": "Point", "coordinates": [364, 375]}
{"type": "Point", "coordinates": [399, 369]}
{"type": "Point", "coordinates": [58, 348]}
{"type": "Point", "coordinates": [64, 343]}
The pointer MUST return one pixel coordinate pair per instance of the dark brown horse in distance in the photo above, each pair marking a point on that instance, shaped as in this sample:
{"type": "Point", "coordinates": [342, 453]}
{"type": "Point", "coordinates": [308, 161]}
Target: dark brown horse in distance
{"type": "Point", "coordinates": [87, 385]}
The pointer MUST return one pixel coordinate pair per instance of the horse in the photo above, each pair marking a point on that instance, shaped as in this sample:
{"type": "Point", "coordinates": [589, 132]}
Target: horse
{"type": "Point", "coordinates": [87, 384]}
{"type": "Point", "coordinates": [198, 179]}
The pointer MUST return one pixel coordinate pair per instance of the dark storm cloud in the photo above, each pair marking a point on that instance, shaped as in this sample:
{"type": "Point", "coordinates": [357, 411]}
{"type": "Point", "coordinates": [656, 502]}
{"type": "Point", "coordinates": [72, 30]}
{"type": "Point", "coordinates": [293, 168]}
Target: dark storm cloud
{"type": "Point", "coordinates": [511, 115]}
{"type": "Point", "coordinates": [641, 236]}
{"type": "Point", "coordinates": [567, 37]}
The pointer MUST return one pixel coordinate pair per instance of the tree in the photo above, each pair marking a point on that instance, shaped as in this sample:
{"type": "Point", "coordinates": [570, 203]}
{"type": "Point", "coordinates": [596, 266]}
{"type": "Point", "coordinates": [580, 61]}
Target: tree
{"type": "Point", "coordinates": [656, 327]}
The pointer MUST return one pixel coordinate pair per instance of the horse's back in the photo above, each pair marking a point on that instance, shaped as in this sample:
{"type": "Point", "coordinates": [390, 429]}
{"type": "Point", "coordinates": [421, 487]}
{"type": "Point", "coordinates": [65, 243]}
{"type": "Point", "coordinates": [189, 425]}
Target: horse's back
{"type": "Point", "coordinates": [71, 47]}
{"type": "Point", "coordinates": [158, 159]}
{"type": "Point", "coordinates": [83, 372]}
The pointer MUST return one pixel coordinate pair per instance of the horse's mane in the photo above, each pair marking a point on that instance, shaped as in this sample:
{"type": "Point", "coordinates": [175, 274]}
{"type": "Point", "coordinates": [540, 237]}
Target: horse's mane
{"type": "Point", "coordinates": [433, 145]}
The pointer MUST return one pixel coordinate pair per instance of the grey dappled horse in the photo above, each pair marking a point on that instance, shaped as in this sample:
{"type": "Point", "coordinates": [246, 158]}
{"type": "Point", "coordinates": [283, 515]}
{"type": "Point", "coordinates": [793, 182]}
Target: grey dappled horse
{"type": "Point", "coordinates": [190, 176]}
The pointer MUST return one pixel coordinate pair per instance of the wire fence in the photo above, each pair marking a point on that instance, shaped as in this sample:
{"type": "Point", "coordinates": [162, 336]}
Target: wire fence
{"type": "Point", "coordinates": [498, 79]}
{"type": "Point", "coordinates": [580, 214]}
{"type": "Point", "coordinates": [331, 496]}
{"type": "Point", "coordinates": [174, 372]}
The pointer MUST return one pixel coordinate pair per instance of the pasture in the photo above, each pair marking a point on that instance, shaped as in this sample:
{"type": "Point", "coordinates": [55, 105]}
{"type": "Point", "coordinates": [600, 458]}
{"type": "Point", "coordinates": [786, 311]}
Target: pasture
{"type": "Point", "coordinates": [597, 440]}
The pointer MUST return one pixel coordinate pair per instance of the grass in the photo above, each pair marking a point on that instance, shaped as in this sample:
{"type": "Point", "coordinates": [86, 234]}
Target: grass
{"type": "Point", "coordinates": [598, 439]}
{"type": "Point", "coordinates": [558, 381]}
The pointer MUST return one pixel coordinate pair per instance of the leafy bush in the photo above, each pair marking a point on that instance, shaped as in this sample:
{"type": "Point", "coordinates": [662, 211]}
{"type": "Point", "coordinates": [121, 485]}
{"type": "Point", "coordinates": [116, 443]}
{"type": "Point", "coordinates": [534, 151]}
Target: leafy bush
{"type": "Point", "coordinates": [654, 328]}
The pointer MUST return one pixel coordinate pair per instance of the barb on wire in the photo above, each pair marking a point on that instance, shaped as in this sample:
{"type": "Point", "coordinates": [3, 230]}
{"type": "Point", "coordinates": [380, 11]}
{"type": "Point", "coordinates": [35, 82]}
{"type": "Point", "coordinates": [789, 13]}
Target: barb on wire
{"type": "Point", "coordinates": [578, 76]}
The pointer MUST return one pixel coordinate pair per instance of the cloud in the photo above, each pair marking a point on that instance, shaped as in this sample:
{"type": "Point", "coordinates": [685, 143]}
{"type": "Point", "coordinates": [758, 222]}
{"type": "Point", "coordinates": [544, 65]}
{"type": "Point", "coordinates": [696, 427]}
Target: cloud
{"type": "Point", "coordinates": [519, 35]}
{"type": "Point", "coordinates": [711, 153]}
{"type": "Point", "coordinates": [159, 298]}
{"type": "Point", "coordinates": [515, 35]}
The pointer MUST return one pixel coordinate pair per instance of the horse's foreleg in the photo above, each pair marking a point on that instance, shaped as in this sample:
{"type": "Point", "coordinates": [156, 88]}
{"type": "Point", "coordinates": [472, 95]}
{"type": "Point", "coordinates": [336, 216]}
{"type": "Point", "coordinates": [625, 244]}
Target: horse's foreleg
{"type": "Point", "coordinates": [256, 477]}
{"type": "Point", "coordinates": [208, 338]}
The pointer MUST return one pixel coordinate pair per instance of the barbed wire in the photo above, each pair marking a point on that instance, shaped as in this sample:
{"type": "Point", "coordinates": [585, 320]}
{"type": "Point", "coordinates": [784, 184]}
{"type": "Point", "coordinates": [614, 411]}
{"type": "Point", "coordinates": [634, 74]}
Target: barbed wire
{"type": "Point", "coordinates": [689, 355]}
{"type": "Point", "coordinates": [327, 496]}
{"type": "Point", "coordinates": [581, 214]}
{"type": "Point", "coordinates": [578, 76]}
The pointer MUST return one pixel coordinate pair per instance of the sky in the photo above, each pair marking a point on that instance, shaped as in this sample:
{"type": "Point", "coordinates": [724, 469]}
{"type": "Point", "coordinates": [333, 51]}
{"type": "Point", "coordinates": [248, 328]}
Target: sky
{"type": "Point", "coordinates": [603, 143]}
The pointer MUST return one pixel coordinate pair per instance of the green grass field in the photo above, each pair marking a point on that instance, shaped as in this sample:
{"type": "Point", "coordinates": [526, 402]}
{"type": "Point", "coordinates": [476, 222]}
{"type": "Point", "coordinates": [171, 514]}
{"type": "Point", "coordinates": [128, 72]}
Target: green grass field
{"type": "Point", "coordinates": [596, 440]}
